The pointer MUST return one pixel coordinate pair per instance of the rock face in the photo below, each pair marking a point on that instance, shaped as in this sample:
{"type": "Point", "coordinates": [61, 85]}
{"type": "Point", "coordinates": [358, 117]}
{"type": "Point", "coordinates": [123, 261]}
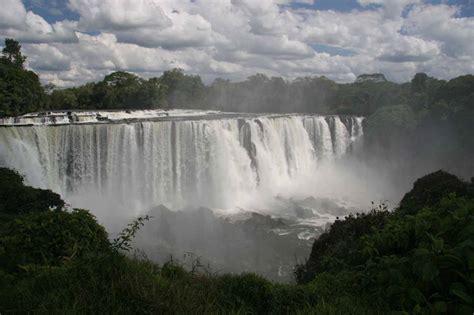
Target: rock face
{"type": "Point", "coordinates": [374, 77]}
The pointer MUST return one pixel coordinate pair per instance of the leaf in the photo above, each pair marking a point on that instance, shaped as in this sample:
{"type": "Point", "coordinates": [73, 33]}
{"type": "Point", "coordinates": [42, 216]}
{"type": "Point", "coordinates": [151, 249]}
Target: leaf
{"type": "Point", "coordinates": [393, 290]}
{"type": "Point", "coordinates": [440, 307]}
{"type": "Point", "coordinates": [462, 295]}
{"type": "Point", "coordinates": [465, 310]}
{"type": "Point", "coordinates": [415, 295]}
{"type": "Point", "coordinates": [421, 252]}
{"type": "Point", "coordinates": [417, 309]}
{"type": "Point", "coordinates": [437, 245]}
{"type": "Point", "coordinates": [430, 271]}
{"type": "Point", "coordinates": [459, 290]}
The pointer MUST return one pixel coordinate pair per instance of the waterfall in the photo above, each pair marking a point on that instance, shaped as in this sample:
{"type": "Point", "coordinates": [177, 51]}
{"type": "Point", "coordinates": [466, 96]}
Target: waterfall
{"type": "Point", "coordinates": [219, 163]}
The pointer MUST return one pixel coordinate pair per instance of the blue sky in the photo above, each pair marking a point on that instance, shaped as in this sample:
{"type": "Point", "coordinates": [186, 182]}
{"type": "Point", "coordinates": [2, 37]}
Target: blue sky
{"type": "Point", "coordinates": [467, 6]}
{"type": "Point", "coordinates": [69, 42]}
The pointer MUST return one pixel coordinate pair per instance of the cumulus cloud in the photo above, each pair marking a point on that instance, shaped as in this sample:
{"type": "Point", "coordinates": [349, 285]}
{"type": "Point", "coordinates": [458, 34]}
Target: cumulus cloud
{"type": "Point", "coordinates": [13, 14]}
{"type": "Point", "coordinates": [237, 38]}
{"type": "Point", "coordinates": [119, 15]}
{"type": "Point", "coordinates": [28, 27]}
{"type": "Point", "coordinates": [45, 57]}
{"type": "Point", "coordinates": [441, 23]}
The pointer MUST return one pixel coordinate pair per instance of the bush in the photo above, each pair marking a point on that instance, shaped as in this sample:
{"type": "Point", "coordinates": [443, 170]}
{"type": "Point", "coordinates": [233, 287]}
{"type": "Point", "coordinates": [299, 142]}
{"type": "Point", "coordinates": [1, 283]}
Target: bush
{"type": "Point", "coordinates": [339, 245]}
{"type": "Point", "coordinates": [16, 198]}
{"type": "Point", "coordinates": [418, 259]}
{"type": "Point", "coordinates": [49, 238]}
{"type": "Point", "coordinates": [430, 189]}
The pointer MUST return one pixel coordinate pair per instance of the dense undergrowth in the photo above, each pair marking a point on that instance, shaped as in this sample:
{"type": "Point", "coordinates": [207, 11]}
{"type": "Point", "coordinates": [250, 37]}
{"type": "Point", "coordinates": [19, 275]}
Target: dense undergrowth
{"type": "Point", "coordinates": [417, 259]}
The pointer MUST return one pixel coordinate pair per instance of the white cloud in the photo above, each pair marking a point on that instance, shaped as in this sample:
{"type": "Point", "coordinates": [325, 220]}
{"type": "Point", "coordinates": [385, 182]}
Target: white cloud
{"type": "Point", "coordinates": [119, 14]}
{"type": "Point", "coordinates": [45, 57]}
{"type": "Point", "coordinates": [441, 23]}
{"type": "Point", "coordinates": [13, 14]}
{"type": "Point", "coordinates": [29, 27]}
{"type": "Point", "coordinates": [237, 38]}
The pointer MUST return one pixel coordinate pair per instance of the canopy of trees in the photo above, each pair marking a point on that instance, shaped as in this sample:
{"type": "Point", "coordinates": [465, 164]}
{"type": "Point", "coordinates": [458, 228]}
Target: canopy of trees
{"type": "Point", "coordinates": [20, 89]}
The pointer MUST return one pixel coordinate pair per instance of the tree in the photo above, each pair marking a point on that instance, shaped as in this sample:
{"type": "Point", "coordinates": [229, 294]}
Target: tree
{"type": "Point", "coordinates": [20, 90]}
{"type": "Point", "coordinates": [390, 125]}
{"type": "Point", "coordinates": [418, 83]}
{"type": "Point", "coordinates": [12, 53]}
{"type": "Point", "coordinates": [122, 79]}
{"type": "Point", "coordinates": [182, 90]}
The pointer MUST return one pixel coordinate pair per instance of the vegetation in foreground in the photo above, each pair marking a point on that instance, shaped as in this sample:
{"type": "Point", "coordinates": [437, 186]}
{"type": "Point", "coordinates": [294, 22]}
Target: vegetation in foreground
{"type": "Point", "coordinates": [417, 259]}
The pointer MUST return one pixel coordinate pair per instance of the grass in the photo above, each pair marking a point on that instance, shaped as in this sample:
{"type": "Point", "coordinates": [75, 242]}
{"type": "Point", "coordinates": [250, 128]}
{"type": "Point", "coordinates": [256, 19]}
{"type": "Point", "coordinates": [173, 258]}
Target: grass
{"type": "Point", "coordinates": [115, 283]}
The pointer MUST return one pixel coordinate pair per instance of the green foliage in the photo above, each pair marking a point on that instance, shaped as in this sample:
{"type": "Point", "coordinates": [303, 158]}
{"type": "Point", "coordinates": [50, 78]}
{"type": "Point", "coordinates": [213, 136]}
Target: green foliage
{"type": "Point", "coordinates": [11, 54]}
{"type": "Point", "coordinates": [418, 259]}
{"type": "Point", "coordinates": [15, 198]}
{"type": "Point", "coordinates": [35, 229]}
{"type": "Point", "coordinates": [125, 237]}
{"type": "Point", "coordinates": [422, 261]}
{"type": "Point", "coordinates": [49, 238]}
{"type": "Point", "coordinates": [20, 89]}
{"type": "Point", "coordinates": [430, 189]}
{"type": "Point", "coordinates": [367, 97]}
{"type": "Point", "coordinates": [390, 124]}
{"type": "Point", "coordinates": [338, 247]}
{"type": "Point", "coordinates": [113, 283]}
{"type": "Point", "coordinates": [182, 91]}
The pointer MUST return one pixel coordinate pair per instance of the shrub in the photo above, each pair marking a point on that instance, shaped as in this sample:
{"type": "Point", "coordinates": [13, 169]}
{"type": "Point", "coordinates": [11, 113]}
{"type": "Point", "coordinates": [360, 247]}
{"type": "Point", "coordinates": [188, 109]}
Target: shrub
{"type": "Point", "coordinates": [339, 245]}
{"type": "Point", "coordinates": [16, 198]}
{"type": "Point", "coordinates": [430, 189]}
{"type": "Point", "coordinates": [50, 238]}
{"type": "Point", "coordinates": [418, 259]}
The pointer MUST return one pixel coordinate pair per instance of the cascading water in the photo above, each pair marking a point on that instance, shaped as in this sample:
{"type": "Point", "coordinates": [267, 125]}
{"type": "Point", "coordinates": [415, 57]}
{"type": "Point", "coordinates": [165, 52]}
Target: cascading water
{"type": "Point", "coordinates": [221, 163]}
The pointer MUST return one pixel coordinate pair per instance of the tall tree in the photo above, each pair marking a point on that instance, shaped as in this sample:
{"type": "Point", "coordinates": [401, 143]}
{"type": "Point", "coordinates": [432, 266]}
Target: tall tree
{"type": "Point", "coordinates": [12, 53]}
{"type": "Point", "coordinates": [20, 89]}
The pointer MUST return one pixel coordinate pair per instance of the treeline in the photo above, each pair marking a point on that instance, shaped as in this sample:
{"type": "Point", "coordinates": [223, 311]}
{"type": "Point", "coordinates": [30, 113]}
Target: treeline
{"type": "Point", "coordinates": [21, 91]}
{"type": "Point", "coordinates": [259, 93]}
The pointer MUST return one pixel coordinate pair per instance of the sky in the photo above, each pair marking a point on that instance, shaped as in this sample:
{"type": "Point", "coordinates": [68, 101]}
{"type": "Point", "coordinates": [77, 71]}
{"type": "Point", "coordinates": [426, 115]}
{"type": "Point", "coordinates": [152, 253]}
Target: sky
{"type": "Point", "coordinates": [70, 42]}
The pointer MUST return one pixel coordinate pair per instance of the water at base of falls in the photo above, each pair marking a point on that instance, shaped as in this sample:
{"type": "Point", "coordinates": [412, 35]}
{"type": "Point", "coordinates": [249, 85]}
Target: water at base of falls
{"type": "Point", "coordinates": [227, 163]}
